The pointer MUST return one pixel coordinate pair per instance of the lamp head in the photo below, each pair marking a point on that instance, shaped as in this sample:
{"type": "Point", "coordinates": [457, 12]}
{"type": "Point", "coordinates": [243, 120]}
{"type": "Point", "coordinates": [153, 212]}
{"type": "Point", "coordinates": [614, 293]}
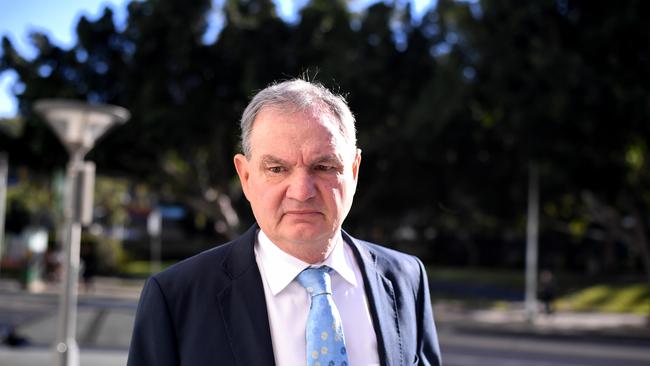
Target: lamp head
{"type": "Point", "coordinates": [79, 124]}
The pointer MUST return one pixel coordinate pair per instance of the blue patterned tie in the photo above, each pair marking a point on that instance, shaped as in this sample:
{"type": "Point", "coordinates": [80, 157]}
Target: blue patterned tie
{"type": "Point", "coordinates": [325, 342]}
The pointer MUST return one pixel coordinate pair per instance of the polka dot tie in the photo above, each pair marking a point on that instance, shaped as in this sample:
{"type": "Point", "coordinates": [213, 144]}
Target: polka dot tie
{"type": "Point", "coordinates": [325, 342]}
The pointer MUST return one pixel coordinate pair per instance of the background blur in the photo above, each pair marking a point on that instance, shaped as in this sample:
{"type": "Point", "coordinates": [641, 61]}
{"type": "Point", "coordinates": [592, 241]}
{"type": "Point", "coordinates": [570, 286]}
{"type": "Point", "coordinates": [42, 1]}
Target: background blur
{"type": "Point", "coordinates": [456, 103]}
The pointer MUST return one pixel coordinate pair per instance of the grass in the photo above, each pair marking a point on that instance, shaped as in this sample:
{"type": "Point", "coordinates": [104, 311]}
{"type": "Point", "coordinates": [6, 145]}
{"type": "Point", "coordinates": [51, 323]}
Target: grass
{"type": "Point", "coordinates": [140, 268]}
{"type": "Point", "coordinates": [575, 292]}
{"type": "Point", "coordinates": [634, 298]}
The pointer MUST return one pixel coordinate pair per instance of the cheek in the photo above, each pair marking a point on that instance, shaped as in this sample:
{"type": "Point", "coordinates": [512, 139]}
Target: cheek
{"type": "Point", "coordinates": [347, 189]}
{"type": "Point", "coordinates": [335, 190]}
{"type": "Point", "coordinates": [268, 195]}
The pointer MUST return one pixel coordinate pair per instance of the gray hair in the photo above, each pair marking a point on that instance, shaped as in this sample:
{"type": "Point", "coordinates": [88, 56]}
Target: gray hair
{"type": "Point", "coordinates": [302, 96]}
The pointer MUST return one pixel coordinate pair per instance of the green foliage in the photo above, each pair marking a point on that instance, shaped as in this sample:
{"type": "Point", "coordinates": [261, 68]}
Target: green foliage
{"type": "Point", "coordinates": [108, 254]}
{"type": "Point", "coordinates": [451, 110]}
{"type": "Point", "coordinates": [110, 198]}
{"type": "Point", "coordinates": [478, 276]}
{"type": "Point", "coordinates": [139, 268]}
{"type": "Point", "coordinates": [31, 202]}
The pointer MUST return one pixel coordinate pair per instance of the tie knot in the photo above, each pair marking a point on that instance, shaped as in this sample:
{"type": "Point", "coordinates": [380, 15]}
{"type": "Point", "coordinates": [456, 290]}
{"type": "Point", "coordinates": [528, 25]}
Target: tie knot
{"type": "Point", "coordinates": [316, 280]}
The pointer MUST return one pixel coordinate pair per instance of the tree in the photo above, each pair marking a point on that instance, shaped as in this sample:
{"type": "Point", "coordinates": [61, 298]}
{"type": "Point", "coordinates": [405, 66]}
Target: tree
{"type": "Point", "coordinates": [554, 82]}
{"type": "Point", "coordinates": [451, 110]}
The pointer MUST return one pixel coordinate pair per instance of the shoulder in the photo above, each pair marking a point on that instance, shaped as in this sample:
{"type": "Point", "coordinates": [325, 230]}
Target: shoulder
{"type": "Point", "coordinates": [213, 268]}
{"type": "Point", "coordinates": [229, 259]}
{"type": "Point", "coordinates": [211, 258]}
{"type": "Point", "coordinates": [389, 262]}
{"type": "Point", "coordinates": [195, 270]}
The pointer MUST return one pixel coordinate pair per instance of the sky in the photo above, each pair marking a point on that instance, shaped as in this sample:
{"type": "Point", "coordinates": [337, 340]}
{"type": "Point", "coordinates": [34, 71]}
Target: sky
{"type": "Point", "coordinates": [58, 18]}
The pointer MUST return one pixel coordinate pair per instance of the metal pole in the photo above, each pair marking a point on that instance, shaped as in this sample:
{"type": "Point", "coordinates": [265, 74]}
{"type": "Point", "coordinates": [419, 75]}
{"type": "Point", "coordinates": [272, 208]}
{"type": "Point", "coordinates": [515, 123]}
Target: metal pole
{"type": "Point", "coordinates": [67, 349]}
{"type": "Point", "coordinates": [154, 227]}
{"type": "Point", "coordinates": [156, 249]}
{"type": "Point", "coordinates": [4, 172]}
{"type": "Point", "coordinates": [532, 229]}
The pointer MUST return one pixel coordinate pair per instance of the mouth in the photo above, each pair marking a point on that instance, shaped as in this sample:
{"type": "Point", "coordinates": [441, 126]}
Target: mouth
{"type": "Point", "coordinates": [300, 215]}
{"type": "Point", "coordinates": [302, 212]}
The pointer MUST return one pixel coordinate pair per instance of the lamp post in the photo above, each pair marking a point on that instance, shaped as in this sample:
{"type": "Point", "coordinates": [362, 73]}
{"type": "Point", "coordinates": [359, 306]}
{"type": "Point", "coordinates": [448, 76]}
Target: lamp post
{"type": "Point", "coordinates": [4, 172]}
{"type": "Point", "coordinates": [78, 125]}
{"type": "Point", "coordinates": [154, 228]}
{"type": "Point", "coordinates": [532, 233]}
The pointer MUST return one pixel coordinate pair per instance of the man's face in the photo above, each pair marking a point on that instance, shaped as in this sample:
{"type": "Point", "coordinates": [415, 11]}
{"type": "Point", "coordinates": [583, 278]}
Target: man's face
{"type": "Point", "coordinates": [300, 178]}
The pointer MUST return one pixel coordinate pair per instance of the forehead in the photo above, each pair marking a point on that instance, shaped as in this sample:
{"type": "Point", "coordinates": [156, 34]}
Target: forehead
{"type": "Point", "coordinates": [294, 130]}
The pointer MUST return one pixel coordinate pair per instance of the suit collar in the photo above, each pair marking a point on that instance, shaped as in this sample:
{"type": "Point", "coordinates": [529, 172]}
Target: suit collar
{"type": "Point", "coordinates": [243, 306]}
{"type": "Point", "coordinates": [279, 268]}
{"type": "Point", "coordinates": [241, 257]}
{"type": "Point", "coordinates": [381, 298]}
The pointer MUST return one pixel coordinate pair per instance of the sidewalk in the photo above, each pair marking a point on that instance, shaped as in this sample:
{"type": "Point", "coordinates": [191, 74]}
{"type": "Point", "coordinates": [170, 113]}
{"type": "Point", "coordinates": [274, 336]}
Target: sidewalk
{"type": "Point", "coordinates": [103, 287]}
{"type": "Point", "coordinates": [32, 356]}
{"type": "Point", "coordinates": [513, 320]}
{"type": "Point", "coordinates": [104, 322]}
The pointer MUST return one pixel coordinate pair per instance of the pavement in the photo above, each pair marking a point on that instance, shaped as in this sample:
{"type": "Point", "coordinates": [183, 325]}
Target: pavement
{"type": "Point", "coordinates": [512, 320]}
{"type": "Point", "coordinates": [29, 322]}
{"type": "Point", "coordinates": [106, 314]}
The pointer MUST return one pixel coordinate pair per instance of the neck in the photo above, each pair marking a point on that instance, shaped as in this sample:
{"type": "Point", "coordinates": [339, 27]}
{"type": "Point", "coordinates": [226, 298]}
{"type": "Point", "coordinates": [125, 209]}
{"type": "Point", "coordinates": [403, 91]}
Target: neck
{"type": "Point", "coordinates": [309, 252]}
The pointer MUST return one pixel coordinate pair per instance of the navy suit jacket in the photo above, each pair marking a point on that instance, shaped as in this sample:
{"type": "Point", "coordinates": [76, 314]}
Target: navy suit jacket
{"type": "Point", "coordinates": [210, 309]}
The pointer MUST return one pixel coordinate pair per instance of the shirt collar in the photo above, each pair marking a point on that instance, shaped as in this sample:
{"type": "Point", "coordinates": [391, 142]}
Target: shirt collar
{"type": "Point", "coordinates": [280, 268]}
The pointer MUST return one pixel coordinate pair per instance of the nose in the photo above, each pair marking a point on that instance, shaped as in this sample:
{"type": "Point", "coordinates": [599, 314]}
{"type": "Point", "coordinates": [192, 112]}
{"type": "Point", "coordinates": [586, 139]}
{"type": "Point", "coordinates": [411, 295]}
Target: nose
{"type": "Point", "coordinates": [301, 186]}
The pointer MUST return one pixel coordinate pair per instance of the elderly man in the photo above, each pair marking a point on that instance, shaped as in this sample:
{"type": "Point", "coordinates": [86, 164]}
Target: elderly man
{"type": "Point", "coordinates": [295, 289]}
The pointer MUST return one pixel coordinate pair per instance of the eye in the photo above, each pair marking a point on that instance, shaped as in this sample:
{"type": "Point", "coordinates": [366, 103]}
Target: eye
{"type": "Point", "coordinates": [324, 168]}
{"type": "Point", "coordinates": [276, 169]}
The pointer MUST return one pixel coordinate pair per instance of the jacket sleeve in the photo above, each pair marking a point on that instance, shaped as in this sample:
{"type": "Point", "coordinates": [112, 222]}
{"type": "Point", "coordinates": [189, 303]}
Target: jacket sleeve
{"type": "Point", "coordinates": [153, 341]}
{"type": "Point", "coordinates": [428, 347]}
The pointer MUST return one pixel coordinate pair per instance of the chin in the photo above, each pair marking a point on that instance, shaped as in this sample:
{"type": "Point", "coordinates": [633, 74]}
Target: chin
{"type": "Point", "coordinates": [308, 234]}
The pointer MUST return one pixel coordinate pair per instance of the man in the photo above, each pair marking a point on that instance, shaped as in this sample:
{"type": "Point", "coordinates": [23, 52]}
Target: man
{"type": "Point", "coordinates": [248, 303]}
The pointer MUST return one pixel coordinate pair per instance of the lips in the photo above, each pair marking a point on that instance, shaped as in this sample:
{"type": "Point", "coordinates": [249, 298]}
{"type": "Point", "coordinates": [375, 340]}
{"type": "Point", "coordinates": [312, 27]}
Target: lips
{"type": "Point", "coordinates": [301, 212]}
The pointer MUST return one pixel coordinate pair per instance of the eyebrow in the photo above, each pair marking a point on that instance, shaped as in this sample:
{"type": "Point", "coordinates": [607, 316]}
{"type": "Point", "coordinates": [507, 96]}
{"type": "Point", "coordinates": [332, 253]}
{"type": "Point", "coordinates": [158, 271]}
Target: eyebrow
{"type": "Point", "coordinates": [270, 159]}
{"type": "Point", "coordinates": [329, 158]}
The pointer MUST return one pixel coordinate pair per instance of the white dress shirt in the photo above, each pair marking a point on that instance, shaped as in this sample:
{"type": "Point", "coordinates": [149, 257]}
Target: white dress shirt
{"type": "Point", "coordinates": [287, 303]}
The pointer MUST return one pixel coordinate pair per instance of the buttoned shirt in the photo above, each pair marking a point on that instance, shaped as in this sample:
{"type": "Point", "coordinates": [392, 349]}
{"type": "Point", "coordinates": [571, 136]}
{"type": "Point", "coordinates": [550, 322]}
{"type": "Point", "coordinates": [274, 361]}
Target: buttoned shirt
{"type": "Point", "coordinates": [287, 303]}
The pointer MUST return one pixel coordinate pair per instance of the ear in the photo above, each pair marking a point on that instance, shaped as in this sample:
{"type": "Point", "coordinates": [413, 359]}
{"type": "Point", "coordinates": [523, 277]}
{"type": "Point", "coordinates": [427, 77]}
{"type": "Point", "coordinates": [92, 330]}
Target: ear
{"type": "Point", "coordinates": [243, 171]}
{"type": "Point", "coordinates": [355, 167]}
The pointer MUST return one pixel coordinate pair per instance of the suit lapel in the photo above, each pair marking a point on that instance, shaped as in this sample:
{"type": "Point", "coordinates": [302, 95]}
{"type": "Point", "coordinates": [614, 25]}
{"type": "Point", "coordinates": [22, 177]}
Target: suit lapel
{"type": "Point", "coordinates": [243, 306]}
{"type": "Point", "coordinates": [383, 307]}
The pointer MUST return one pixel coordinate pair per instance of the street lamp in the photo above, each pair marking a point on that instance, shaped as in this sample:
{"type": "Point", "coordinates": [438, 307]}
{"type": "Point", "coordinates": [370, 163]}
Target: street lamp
{"type": "Point", "coordinates": [78, 125]}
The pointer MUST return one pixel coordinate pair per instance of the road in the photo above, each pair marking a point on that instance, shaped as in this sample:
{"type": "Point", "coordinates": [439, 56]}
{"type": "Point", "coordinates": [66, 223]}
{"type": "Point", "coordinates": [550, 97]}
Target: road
{"type": "Point", "coordinates": [485, 349]}
{"type": "Point", "coordinates": [104, 329]}
{"type": "Point", "coordinates": [458, 350]}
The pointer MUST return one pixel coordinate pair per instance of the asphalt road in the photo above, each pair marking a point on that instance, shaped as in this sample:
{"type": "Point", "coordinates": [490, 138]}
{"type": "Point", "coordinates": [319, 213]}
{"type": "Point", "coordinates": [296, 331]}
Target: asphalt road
{"type": "Point", "coordinates": [485, 349]}
{"type": "Point", "coordinates": [104, 329]}
{"type": "Point", "coordinates": [458, 350]}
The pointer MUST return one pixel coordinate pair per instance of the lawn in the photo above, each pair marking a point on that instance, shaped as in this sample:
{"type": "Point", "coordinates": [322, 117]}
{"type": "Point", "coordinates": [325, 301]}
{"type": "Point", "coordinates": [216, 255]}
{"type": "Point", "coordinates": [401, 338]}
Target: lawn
{"type": "Point", "coordinates": [575, 292]}
{"type": "Point", "coordinates": [633, 298]}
